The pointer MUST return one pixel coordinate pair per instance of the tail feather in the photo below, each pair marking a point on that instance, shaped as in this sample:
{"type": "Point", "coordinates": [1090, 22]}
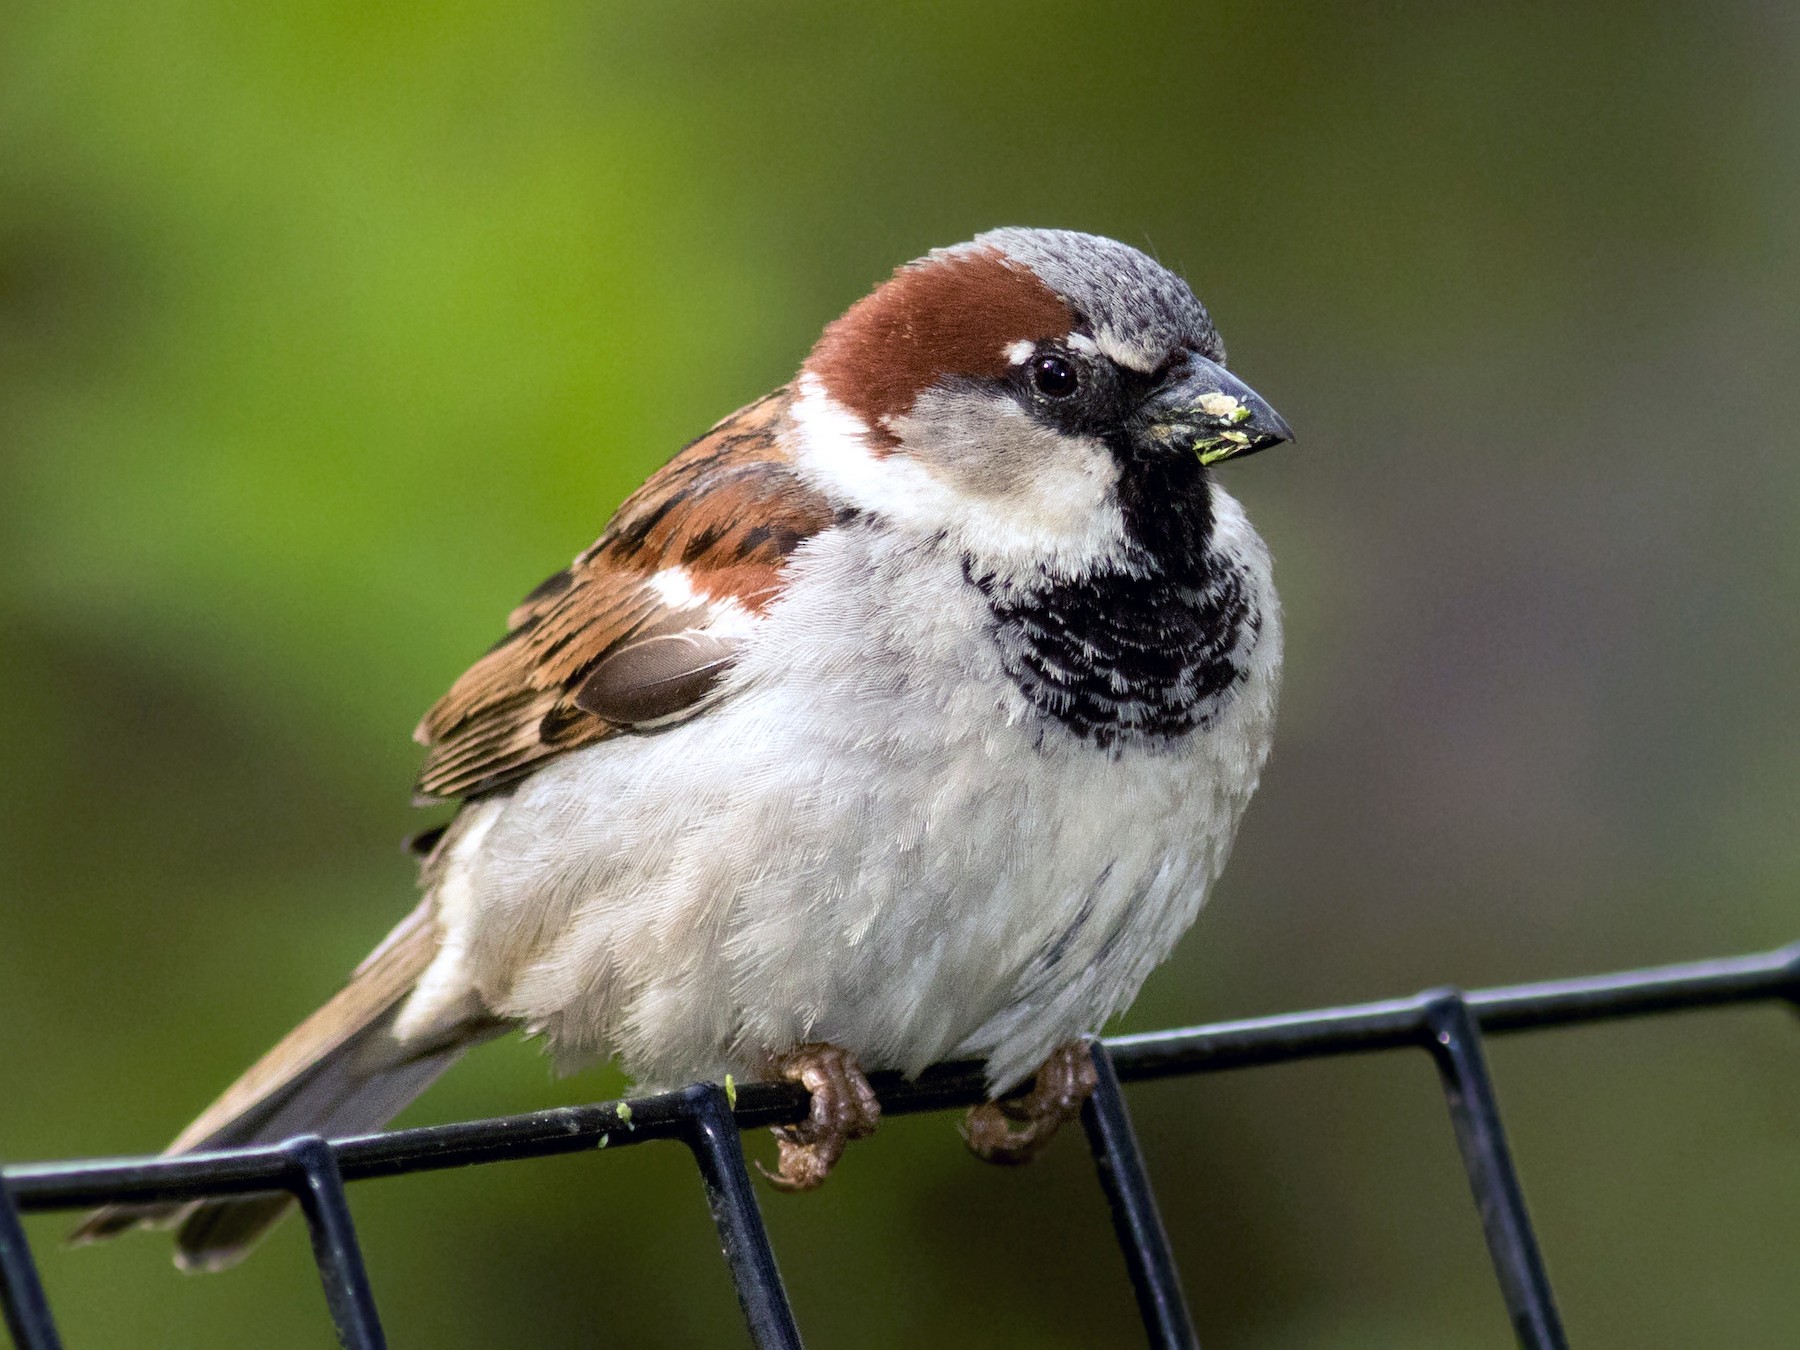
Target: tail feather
{"type": "Point", "coordinates": [341, 1071]}
{"type": "Point", "coordinates": [336, 1099]}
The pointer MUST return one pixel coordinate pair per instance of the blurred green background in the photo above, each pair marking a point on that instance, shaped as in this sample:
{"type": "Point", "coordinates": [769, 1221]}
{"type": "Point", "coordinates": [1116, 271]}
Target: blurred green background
{"type": "Point", "coordinates": [327, 330]}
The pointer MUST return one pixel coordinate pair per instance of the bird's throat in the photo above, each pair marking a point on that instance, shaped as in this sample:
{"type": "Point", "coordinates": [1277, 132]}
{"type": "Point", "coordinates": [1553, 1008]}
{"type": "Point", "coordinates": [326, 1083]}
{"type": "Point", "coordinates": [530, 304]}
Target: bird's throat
{"type": "Point", "coordinates": [1142, 653]}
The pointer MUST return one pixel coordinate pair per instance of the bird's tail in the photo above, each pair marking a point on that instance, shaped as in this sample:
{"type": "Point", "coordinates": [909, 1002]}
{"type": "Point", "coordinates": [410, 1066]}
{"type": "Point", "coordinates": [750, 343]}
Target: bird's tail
{"type": "Point", "coordinates": [341, 1071]}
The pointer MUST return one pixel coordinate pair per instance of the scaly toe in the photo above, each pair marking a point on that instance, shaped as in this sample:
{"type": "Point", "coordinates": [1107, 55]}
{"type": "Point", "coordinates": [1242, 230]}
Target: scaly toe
{"type": "Point", "coordinates": [992, 1137]}
{"type": "Point", "coordinates": [803, 1167]}
{"type": "Point", "coordinates": [844, 1107]}
{"type": "Point", "coordinates": [1016, 1130]}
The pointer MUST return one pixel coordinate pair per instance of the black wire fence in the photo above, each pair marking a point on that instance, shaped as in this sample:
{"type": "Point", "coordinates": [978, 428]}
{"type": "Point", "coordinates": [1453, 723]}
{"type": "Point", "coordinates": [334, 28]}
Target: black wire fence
{"type": "Point", "coordinates": [1445, 1023]}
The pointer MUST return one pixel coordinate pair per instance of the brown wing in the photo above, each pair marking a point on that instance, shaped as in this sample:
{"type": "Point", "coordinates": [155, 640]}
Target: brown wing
{"type": "Point", "coordinates": [638, 630]}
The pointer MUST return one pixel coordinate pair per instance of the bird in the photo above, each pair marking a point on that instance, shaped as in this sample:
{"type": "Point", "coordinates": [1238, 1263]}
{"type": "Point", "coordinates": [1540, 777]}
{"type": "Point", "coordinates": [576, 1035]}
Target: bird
{"type": "Point", "coordinates": [907, 714]}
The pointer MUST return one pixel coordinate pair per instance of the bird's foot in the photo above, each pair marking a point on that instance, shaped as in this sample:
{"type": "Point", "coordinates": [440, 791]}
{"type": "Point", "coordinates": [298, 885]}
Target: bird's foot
{"type": "Point", "coordinates": [843, 1108]}
{"type": "Point", "coordinates": [1016, 1129]}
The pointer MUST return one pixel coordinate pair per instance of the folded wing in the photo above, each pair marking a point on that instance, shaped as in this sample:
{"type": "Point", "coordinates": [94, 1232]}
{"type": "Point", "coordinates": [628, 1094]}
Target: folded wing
{"type": "Point", "coordinates": [638, 630]}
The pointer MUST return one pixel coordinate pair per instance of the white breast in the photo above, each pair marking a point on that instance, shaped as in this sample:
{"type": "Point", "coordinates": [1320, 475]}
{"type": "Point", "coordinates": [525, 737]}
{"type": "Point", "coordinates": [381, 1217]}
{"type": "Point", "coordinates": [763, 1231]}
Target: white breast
{"type": "Point", "coordinates": [870, 839]}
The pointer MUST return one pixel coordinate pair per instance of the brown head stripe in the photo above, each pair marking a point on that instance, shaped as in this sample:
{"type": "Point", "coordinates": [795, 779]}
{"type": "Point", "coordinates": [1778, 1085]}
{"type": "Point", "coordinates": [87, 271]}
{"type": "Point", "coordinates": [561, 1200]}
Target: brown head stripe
{"type": "Point", "coordinates": [949, 315]}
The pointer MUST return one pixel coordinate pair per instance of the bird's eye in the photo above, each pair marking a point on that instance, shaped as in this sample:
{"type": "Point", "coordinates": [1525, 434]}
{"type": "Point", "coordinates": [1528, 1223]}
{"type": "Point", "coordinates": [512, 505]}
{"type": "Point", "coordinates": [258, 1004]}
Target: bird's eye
{"type": "Point", "coordinates": [1053, 377]}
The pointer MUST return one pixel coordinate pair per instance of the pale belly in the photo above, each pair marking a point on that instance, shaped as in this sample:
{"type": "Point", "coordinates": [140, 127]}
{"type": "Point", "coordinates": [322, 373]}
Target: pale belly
{"type": "Point", "coordinates": [858, 845]}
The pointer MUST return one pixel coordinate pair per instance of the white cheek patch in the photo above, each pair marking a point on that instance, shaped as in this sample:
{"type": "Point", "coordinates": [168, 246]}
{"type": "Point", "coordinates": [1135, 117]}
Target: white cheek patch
{"type": "Point", "coordinates": [827, 427]}
{"type": "Point", "coordinates": [1060, 514]}
{"type": "Point", "coordinates": [834, 456]}
{"type": "Point", "coordinates": [833, 453]}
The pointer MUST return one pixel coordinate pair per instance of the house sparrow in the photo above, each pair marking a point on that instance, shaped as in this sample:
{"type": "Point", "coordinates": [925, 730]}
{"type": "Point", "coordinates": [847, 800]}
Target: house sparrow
{"type": "Point", "coordinates": [905, 715]}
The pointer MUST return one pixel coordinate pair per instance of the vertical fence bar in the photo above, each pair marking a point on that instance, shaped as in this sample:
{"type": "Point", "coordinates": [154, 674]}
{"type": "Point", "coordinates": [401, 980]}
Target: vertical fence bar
{"type": "Point", "coordinates": [21, 1291]}
{"type": "Point", "coordinates": [1142, 1239]}
{"type": "Point", "coordinates": [712, 1134]}
{"type": "Point", "coordinates": [336, 1252]}
{"type": "Point", "coordinates": [1455, 1045]}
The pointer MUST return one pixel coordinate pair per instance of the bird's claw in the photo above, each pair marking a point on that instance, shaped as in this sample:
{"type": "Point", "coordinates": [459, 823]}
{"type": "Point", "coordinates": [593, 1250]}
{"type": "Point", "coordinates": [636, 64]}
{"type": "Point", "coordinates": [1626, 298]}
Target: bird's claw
{"type": "Point", "coordinates": [843, 1108]}
{"type": "Point", "coordinates": [1016, 1129]}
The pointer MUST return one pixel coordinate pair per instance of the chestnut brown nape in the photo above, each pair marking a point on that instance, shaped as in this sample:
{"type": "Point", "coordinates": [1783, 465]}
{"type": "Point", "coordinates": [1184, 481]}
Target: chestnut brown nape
{"type": "Point", "coordinates": [953, 314]}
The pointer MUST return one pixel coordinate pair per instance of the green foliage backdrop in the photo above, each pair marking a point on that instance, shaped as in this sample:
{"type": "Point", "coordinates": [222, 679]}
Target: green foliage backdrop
{"type": "Point", "coordinates": [326, 331]}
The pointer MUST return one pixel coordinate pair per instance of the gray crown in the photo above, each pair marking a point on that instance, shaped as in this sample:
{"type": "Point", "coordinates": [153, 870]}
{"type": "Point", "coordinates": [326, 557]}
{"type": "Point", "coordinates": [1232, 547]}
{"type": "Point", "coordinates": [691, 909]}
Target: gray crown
{"type": "Point", "coordinates": [1139, 309]}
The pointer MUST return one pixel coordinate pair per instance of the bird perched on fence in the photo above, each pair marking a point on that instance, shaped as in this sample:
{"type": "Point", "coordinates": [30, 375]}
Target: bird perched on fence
{"type": "Point", "coordinates": [907, 714]}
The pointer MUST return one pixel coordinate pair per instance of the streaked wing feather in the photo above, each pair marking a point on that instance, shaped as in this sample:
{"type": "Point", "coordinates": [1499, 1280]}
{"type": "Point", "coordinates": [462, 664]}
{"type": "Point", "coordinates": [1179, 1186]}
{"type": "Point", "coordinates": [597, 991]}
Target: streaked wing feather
{"type": "Point", "coordinates": [602, 646]}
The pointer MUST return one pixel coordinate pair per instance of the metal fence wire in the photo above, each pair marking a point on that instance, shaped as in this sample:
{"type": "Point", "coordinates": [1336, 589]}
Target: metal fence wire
{"type": "Point", "coordinates": [1446, 1024]}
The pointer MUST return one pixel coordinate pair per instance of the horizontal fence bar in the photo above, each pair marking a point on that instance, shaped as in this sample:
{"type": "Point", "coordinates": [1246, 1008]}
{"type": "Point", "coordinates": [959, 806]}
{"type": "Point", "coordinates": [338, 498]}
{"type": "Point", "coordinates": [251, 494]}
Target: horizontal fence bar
{"type": "Point", "coordinates": [1357, 1029]}
{"type": "Point", "coordinates": [1762, 978]}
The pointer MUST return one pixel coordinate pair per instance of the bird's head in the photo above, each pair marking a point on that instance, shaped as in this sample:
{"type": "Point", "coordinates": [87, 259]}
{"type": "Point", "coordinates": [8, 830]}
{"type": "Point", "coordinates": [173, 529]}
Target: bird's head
{"type": "Point", "coordinates": [1027, 391]}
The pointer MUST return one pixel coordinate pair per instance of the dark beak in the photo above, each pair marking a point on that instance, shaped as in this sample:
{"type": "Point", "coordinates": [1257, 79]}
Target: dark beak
{"type": "Point", "coordinates": [1210, 411]}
